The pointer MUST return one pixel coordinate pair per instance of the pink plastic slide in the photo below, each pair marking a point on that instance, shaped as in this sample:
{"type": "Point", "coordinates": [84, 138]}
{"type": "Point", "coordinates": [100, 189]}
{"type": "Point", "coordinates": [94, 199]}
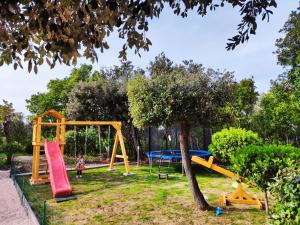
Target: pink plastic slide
{"type": "Point", "coordinates": [58, 176]}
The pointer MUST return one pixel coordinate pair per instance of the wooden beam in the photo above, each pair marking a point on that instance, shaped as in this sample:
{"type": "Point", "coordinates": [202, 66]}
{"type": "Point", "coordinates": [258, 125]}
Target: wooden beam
{"type": "Point", "coordinates": [113, 123]}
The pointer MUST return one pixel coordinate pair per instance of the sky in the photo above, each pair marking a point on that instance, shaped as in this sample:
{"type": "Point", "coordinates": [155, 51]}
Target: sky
{"type": "Point", "coordinates": [202, 39]}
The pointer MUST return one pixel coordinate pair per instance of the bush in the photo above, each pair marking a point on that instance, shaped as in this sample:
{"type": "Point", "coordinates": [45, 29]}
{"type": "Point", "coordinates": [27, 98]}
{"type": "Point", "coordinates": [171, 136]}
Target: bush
{"type": "Point", "coordinates": [227, 141]}
{"type": "Point", "coordinates": [260, 164]}
{"type": "Point", "coordinates": [286, 191]}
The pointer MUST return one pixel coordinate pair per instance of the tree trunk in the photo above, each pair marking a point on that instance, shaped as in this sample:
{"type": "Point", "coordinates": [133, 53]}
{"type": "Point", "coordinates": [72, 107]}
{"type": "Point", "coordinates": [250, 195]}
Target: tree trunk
{"type": "Point", "coordinates": [198, 196]}
{"type": "Point", "coordinates": [8, 150]}
{"type": "Point", "coordinates": [207, 133]}
{"type": "Point", "coordinates": [135, 143]}
{"type": "Point", "coordinates": [266, 202]}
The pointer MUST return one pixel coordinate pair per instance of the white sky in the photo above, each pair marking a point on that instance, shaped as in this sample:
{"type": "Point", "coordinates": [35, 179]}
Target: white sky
{"type": "Point", "coordinates": [201, 39]}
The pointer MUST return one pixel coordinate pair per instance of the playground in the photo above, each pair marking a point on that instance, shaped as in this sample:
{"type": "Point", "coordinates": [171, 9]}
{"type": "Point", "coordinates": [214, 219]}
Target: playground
{"type": "Point", "coordinates": [189, 133]}
{"type": "Point", "coordinates": [122, 194]}
{"type": "Point", "coordinates": [119, 191]}
{"type": "Point", "coordinates": [105, 197]}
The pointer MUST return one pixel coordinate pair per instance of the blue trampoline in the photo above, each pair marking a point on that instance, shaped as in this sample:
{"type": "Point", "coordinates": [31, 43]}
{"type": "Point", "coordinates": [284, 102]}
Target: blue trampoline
{"type": "Point", "coordinates": [176, 154]}
{"type": "Point", "coordinates": [172, 156]}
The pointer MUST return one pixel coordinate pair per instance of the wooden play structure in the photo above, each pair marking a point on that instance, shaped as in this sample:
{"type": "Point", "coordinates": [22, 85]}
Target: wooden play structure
{"type": "Point", "coordinates": [239, 196]}
{"type": "Point", "coordinates": [60, 122]}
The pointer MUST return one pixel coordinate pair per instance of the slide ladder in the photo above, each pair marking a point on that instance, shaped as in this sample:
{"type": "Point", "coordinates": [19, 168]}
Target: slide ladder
{"type": "Point", "coordinates": [60, 185]}
{"type": "Point", "coordinates": [239, 196]}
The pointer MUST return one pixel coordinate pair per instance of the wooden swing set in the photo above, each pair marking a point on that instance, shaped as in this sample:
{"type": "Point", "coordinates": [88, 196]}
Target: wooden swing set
{"type": "Point", "coordinates": [60, 123]}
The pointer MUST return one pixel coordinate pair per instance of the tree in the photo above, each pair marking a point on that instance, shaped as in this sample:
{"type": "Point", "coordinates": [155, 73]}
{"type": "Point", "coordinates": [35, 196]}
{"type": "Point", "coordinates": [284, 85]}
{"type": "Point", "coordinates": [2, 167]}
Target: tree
{"type": "Point", "coordinates": [51, 31]}
{"type": "Point", "coordinates": [288, 47]}
{"type": "Point", "coordinates": [277, 119]}
{"type": "Point", "coordinates": [97, 100]}
{"type": "Point", "coordinates": [180, 97]}
{"type": "Point", "coordinates": [160, 65]}
{"type": "Point", "coordinates": [243, 106]}
{"type": "Point", "coordinates": [105, 98]}
{"type": "Point", "coordinates": [56, 97]}
{"type": "Point", "coordinates": [7, 113]}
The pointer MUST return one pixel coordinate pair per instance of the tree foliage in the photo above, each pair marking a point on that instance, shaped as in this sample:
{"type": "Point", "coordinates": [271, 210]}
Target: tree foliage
{"type": "Point", "coordinates": [242, 107]}
{"type": "Point", "coordinates": [288, 47]}
{"type": "Point", "coordinates": [179, 96]}
{"type": "Point", "coordinates": [98, 100]}
{"type": "Point", "coordinates": [56, 96]}
{"type": "Point", "coordinates": [277, 119]}
{"type": "Point", "coordinates": [7, 114]}
{"type": "Point", "coordinates": [51, 31]}
{"type": "Point", "coordinates": [15, 131]}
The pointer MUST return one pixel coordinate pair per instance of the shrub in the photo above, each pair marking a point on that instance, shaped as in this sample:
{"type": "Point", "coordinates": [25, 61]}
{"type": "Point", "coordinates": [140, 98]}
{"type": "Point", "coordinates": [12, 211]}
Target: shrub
{"type": "Point", "coordinates": [260, 164]}
{"type": "Point", "coordinates": [227, 141]}
{"type": "Point", "coordinates": [286, 191]}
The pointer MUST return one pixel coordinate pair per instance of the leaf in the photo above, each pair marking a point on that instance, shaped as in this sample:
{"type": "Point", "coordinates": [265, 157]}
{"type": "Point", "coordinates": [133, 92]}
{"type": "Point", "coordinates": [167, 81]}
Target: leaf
{"type": "Point", "coordinates": [35, 69]}
{"type": "Point", "coordinates": [29, 66]}
{"type": "Point", "coordinates": [105, 45]}
{"type": "Point", "coordinates": [48, 61]}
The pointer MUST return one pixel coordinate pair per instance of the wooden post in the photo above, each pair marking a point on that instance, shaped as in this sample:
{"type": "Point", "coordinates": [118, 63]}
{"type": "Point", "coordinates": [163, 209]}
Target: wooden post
{"type": "Point", "coordinates": [36, 150]}
{"type": "Point", "coordinates": [62, 140]}
{"type": "Point", "coordinates": [121, 140]}
{"type": "Point", "coordinates": [114, 152]}
{"type": "Point", "coordinates": [58, 129]}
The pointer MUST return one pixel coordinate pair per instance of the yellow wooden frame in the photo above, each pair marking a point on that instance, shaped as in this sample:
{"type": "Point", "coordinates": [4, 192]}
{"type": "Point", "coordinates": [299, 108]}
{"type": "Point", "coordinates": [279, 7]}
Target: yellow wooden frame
{"type": "Point", "coordinates": [239, 196]}
{"type": "Point", "coordinates": [60, 125]}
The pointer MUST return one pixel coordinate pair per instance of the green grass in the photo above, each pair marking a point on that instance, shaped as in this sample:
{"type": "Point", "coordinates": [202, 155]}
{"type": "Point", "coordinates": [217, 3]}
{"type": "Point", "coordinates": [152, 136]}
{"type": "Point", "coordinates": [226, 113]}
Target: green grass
{"type": "Point", "coordinates": [105, 197]}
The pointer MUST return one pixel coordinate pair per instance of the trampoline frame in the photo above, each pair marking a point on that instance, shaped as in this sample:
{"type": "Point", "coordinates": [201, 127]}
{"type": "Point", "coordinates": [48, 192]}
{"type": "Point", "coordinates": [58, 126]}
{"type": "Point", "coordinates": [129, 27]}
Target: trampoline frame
{"type": "Point", "coordinates": [174, 155]}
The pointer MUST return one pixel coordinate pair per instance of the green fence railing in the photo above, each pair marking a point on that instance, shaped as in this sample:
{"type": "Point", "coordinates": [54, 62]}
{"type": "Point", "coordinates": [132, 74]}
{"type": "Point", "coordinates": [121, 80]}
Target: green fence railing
{"type": "Point", "coordinates": [38, 209]}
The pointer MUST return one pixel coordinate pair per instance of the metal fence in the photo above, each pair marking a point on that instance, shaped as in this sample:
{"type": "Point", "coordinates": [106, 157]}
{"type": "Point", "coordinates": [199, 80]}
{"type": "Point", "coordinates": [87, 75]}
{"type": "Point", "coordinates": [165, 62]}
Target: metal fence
{"type": "Point", "coordinates": [38, 211]}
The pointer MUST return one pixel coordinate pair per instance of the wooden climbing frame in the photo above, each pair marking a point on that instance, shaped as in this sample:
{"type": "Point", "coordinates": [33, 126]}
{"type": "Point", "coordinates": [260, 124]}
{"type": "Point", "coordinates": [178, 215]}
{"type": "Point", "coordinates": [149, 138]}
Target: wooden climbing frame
{"type": "Point", "coordinates": [60, 125]}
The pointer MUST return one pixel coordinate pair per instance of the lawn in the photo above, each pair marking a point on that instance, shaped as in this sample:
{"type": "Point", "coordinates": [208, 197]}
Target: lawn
{"type": "Point", "coordinates": [105, 197]}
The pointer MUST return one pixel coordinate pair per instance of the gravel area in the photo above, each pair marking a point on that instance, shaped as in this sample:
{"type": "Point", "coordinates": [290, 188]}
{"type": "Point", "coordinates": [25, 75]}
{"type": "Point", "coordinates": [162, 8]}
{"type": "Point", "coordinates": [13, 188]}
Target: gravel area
{"type": "Point", "coordinates": [11, 210]}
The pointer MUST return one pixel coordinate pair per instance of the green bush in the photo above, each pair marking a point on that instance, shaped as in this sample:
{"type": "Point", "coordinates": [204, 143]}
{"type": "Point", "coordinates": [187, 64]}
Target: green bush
{"type": "Point", "coordinates": [260, 164]}
{"type": "Point", "coordinates": [227, 141]}
{"type": "Point", "coordinates": [286, 191]}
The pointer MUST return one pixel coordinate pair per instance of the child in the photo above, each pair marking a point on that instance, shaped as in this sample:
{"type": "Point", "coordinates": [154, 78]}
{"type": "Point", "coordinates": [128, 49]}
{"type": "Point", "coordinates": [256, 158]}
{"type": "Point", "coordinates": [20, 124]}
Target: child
{"type": "Point", "coordinates": [79, 165]}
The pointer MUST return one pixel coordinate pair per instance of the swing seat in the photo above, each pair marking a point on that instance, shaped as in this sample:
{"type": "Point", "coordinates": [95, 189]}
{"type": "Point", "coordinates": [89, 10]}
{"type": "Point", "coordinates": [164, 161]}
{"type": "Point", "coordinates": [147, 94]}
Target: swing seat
{"type": "Point", "coordinates": [105, 161]}
{"type": "Point", "coordinates": [80, 168]}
